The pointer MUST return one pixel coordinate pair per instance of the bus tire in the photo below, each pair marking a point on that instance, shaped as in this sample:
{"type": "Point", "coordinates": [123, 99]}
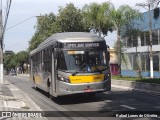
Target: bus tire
{"type": "Point", "coordinates": [91, 94]}
{"type": "Point", "coordinates": [49, 89]}
{"type": "Point", "coordinates": [50, 95]}
{"type": "Point", "coordinates": [35, 86]}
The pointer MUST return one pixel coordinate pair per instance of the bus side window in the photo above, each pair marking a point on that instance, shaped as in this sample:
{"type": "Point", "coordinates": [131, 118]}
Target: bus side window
{"type": "Point", "coordinates": [61, 61]}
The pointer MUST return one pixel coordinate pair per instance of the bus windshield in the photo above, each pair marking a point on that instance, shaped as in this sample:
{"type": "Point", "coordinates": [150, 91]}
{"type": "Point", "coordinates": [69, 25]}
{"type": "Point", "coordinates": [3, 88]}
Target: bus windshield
{"type": "Point", "coordinates": [82, 61]}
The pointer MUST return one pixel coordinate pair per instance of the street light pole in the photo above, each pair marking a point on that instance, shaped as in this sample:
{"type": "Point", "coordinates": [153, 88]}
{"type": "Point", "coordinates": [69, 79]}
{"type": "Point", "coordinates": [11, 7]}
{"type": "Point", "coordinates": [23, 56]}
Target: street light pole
{"type": "Point", "coordinates": [150, 35]}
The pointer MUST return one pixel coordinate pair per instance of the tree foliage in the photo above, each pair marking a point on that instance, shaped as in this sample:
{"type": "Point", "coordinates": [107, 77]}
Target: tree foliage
{"type": "Point", "coordinates": [46, 26]}
{"type": "Point", "coordinates": [100, 18]}
{"type": "Point", "coordinates": [10, 61]}
{"type": "Point", "coordinates": [123, 16]}
{"type": "Point", "coordinates": [22, 57]}
{"type": "Point", "coordinates": [15, 60]}
{"type": "Point", "coordinates": [120, 18]}
{"type": "Point", "coordinates": [96, 16]}
{"type": "Point", "coordinates": [70, 19]}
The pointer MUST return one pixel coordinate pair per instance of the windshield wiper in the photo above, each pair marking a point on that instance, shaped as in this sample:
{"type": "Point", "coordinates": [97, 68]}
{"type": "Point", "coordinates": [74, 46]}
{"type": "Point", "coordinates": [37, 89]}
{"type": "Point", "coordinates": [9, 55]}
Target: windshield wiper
{"type": "Point", "coordinates": [73, 74]}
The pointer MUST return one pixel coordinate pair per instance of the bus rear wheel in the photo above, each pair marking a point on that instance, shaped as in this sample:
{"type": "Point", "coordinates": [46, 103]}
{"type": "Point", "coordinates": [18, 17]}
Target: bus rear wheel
{"type": "Point", "coordinates": [91, 94]}
{"type": "Point", "coordinates": [49, 90]}
{"type": "Point", "coordinates": [50, 93]}
{"type": "Point", "coordinates": [35, 86]}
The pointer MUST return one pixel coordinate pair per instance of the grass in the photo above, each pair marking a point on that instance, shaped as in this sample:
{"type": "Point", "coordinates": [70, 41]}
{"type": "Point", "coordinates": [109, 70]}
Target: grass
{"type": "Point", "coordinates": [136, 79]}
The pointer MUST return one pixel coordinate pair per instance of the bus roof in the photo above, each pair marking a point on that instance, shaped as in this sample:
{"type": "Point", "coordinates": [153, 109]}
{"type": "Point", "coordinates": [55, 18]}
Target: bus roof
{"type": "Point", "coordinates": [68, 37]}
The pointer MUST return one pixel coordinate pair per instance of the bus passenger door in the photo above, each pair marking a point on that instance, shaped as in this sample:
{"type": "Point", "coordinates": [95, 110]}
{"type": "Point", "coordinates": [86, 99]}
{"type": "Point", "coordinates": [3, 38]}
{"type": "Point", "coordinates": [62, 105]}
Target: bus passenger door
{"type": "Point", "coordinates": [54, 69]}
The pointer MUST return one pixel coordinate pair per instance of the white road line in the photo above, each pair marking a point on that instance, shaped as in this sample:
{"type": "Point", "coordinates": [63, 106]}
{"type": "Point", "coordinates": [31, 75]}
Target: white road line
{"type": "Point", "coordinates": [122, 87]}
{"type": "Point", "coordinates": [132, 108]}
{"type": "Point", "coordinates": [22, 77]}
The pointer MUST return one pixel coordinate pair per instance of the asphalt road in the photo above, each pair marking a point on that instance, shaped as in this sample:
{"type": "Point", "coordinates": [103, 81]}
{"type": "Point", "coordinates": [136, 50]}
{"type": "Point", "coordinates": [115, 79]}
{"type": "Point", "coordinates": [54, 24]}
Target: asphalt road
{"type": "Point", "coordinates": [115, 100]}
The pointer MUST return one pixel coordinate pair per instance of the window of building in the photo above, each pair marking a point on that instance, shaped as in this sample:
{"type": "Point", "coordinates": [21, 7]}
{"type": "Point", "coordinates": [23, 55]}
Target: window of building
{"type": "Point", "coordinates": [147, 38]}
{"type": "Point", "coordinates": [156, 61]}
{"type": "Point", "coordinates": [158, 36]}
{"type": "Point", "coordinates": [135, 65]}
{"type": "Point", "coordinates": [130, 58]}
{"type": "Point", "coordinates": [142, 39]}
{"type": "Point", "coordinates": [129, 41]}
{"type": "Point", "coordinates": [145, 61]}
{"type": "Point", "coordinates": [135, 40]}
{"type": "Point", "coordinates": [155, 37]}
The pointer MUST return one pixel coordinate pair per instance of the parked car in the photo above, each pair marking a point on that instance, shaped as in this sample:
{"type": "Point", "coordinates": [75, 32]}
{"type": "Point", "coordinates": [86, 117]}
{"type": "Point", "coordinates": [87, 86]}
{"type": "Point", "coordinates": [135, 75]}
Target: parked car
{"type": "Point", "coordinates": [13, 72]}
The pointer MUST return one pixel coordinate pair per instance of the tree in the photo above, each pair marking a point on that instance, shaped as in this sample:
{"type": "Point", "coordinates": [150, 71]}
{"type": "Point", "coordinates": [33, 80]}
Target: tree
{"type": "Point", "coordinates": [22, 57]}
{"type": "Point", "coordinates": [9, 61]}
{"type": "Point", "coordinates": [96, 17]}
{"type": "Point", "coordinates": [15, 60]}
{"type": "Point", "coordinates": [70, 19]}
{"type": "Point", "coordinates": [46, 26]}
{"type": "Point", "coordinates": [121, 17]}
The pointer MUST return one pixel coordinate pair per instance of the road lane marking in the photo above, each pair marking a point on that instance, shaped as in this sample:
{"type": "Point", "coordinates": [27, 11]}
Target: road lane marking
{"type": "Point", "coordinates": [22, 77]}
{"type": "Point", "coordinates": [129, 107]}
{"type": "Point", "coordinates": [122, 87]}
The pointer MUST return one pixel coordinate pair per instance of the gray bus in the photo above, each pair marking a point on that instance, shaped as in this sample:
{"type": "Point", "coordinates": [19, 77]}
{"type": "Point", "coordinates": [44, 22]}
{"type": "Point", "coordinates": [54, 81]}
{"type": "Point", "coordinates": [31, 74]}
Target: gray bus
{"type": "Point", "coordinates": [71, 63]}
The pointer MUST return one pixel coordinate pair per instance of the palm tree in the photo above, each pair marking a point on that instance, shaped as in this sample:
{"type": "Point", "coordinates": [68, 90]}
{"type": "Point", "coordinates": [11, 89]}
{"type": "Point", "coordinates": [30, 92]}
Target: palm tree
{"type": "Point", "coordinates": [121, 17]}
{"type": "Point", "coordinates": [95, 17]}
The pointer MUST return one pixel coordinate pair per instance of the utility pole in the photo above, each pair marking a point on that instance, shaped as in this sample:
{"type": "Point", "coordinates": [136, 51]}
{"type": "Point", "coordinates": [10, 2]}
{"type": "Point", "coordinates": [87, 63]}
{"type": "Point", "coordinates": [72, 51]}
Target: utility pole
{"type": "Point", "coordinates": [150, 36]}
{"type": "Point", "coordinates": [1, 45]}
{"type": "Point", "coordinates": [148, 4]}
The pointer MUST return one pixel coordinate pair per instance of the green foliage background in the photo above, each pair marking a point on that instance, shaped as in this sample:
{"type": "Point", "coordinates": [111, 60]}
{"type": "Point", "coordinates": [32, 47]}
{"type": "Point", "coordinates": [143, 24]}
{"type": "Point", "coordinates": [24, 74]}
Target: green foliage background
{"type": "Point", "coordinates": [98, 17]}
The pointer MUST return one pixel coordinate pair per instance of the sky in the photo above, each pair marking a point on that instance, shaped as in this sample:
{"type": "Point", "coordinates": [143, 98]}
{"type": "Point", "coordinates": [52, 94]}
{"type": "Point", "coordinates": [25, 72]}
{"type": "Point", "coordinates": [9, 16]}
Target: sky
{"type": "Point", "coordinates": [17, 37]}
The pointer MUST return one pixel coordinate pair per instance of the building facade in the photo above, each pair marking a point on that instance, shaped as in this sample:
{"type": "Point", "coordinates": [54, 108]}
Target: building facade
{"type": "Point", "coordinates": [113, 62]}
{"type": "Point", "coordinates": [136, 49]}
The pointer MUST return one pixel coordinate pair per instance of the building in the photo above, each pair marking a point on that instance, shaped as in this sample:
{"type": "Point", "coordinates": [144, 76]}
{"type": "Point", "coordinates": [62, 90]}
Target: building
{"type": "Point", "coordinates": [136, 50]}
{"type": "Point", "coordinates": [113, 62]}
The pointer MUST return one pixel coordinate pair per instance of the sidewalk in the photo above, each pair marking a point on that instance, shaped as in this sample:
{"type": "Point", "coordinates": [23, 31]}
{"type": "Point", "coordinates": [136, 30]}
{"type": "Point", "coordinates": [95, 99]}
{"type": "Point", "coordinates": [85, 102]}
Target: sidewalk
{"type": "Point", "coordinates": [25, 75]}
{"type": "Point", "coordinates": [150, 88]}
{"type": "Point", "coordinates": [12, 99]}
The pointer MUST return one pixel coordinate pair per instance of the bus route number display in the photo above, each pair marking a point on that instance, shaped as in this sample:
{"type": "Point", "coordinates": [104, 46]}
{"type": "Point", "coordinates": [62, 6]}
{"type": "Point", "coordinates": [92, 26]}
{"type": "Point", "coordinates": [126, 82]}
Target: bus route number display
{"type": "Point", "coordinates": [81, 45]}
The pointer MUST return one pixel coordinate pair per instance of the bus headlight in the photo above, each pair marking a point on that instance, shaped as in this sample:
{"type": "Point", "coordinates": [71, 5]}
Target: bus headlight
{"type": "Point", "coordinates": [64, 79]}
{"type": "Point", "coordinates": [106, 76]}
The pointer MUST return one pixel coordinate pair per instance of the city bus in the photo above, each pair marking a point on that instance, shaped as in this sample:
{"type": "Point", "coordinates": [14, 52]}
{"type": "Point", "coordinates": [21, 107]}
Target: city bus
{"type": "Point", "coordinates": [71, 63]}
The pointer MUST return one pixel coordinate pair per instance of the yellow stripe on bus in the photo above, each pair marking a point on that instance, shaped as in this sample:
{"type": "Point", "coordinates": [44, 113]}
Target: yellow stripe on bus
{"type": "Point", "coordinates": [86, 78]}
{"type": "Point", "coordinates": [37, 79]}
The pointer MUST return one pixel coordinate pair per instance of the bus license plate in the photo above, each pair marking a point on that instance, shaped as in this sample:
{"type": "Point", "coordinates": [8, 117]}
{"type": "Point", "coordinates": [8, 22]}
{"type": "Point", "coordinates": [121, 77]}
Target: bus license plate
{"type": "Point", "coordinates": [88, 90]}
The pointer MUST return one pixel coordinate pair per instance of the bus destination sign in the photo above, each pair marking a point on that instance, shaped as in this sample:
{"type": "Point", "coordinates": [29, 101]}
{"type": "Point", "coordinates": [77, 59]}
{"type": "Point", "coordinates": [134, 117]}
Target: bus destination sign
{"type": "Point", "coordinates": [81, 45]}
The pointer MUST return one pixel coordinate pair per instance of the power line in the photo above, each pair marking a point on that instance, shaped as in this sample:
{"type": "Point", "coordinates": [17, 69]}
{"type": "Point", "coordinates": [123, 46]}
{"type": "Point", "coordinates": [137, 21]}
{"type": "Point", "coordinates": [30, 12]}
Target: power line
{"type": "Point", "coordinates": [20, 22]}
{"type": "Point", "coordinates": [6, 18]}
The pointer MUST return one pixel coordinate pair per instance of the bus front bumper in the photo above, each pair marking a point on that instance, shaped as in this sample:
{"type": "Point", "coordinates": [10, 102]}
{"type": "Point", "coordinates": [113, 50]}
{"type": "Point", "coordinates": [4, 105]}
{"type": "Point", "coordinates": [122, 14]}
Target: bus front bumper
{"type": "Point", "coordinates": [69, 89]}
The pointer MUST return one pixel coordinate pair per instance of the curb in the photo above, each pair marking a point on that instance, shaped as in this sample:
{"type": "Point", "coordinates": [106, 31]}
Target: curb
{"type": "Point", "coordinates": [150, 88]}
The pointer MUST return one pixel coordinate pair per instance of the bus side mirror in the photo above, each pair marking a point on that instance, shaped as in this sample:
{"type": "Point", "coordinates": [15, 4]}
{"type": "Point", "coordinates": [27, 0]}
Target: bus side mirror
{"type": "Point", "coordinates": [108, 53]}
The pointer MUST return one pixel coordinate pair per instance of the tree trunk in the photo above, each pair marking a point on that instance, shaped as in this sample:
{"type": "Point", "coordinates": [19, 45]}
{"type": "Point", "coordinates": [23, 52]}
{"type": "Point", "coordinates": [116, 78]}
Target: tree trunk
{"type": "Point", "coordinates": [119, 51]}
